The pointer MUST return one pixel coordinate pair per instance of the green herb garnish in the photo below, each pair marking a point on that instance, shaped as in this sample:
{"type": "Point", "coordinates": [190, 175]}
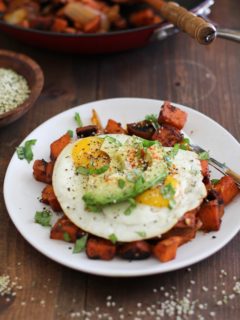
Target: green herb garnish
{"type": "Point", "coordinates": [154, 120]}
{"type": "Point", "coordinates": [89, 171]}
{"type": "Point", "coordinates": [80, 244]}
{"type": "Point", "coordinates": [70, 132]}
{"type": "Point", "coordinates": [148, 143]}
{"type": "Point", "coordinates": [168, 191]}
{"type": "Point", "coordinates": [113, 238]}
{"type": "Point", "coordinates": [132, 206]}
{"type": "Point", "coordinates": [141, 234]}
{"type": "Point", "coordinates": [184, 145]}
{"type": "Point", "coordinates": [66, 237]}
{"type": "Point", "coordinates": [43, 218]}
{"type": "Point", "coordinates": [215, 181]}
{"type": "Point", "coordinates": [203, 155]}
{"type": "Point", "coordinates": [25, 152]}
{"type": "Point", "coordinates": [77, 118]}
{"type": "Point", "coordinates": [121, 183]}
{"type": "Point", "coordinates": [138, 184]}
{"type": "Point", "coordinates": [174, 151]}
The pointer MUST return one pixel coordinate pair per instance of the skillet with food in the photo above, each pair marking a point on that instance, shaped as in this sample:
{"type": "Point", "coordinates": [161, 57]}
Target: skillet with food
{"type": "Point", "coordinates": [132, 35]}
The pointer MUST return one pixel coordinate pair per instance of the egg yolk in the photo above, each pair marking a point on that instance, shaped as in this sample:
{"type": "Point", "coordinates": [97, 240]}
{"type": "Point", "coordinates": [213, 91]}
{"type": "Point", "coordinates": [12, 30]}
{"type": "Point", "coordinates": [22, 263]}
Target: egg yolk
{"type": "Point", "coordinates": [86, 153]}
{"type": "Point", "coordinates": [153, 196]}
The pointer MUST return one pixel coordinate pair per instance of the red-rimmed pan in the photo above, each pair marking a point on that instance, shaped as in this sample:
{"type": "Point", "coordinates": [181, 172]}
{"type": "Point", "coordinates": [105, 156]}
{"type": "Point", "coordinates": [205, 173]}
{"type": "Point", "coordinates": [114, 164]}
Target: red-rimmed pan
{"type": "Point", "coordinates": [105, 42]}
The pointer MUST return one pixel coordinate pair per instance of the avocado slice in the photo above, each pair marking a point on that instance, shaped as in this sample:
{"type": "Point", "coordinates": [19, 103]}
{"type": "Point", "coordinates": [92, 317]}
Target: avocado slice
{"type": "Point", "coordinates": [124, 180]}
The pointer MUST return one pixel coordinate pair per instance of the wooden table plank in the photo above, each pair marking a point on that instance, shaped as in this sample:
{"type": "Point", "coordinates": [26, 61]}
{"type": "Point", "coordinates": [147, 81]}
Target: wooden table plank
{"type": "Point", "coordinates": [205, 78]}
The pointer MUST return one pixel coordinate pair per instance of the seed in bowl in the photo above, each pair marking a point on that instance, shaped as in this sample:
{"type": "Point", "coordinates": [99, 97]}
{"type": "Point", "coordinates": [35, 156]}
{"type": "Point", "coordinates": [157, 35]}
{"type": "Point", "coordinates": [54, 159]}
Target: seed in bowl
{"type": "Point", "coordinates": [14, 90]}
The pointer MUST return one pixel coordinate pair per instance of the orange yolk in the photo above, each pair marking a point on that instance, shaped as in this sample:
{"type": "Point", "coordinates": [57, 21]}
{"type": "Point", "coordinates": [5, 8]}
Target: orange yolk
{"type": "Point", "coordinates": [86, 153]}
{"type": "Point", "coordinates": [153, 196]}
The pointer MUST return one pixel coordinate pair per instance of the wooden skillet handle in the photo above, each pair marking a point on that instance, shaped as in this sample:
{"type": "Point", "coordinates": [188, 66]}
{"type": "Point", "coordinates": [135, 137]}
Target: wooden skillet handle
{"type": "Point", "coordinates": [186, 21]}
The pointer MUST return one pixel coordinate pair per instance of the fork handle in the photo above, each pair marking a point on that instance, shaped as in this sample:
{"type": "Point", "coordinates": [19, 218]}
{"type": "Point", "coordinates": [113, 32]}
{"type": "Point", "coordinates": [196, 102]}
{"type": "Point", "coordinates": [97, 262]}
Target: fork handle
{"type": "Point", "coordinates": [199, 29]}
{"type": "Point", "coordinates": [225, 170]}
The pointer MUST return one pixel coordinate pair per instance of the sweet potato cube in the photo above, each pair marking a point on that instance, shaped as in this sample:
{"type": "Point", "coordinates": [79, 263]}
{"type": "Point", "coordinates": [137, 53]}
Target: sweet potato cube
{"type": "Point", "coordinates": [58, 145]}
{"type": "Point", "coordinates": [167, 135]}
{"type": "Point", "coordinates": [142, 17]}
{"type": "Point", "coordinates": [114, 127]}
{"type": "Point", "coordinates": [86, 131]}
{"type": "Point", "coordinates": [102, 249]}
{"type": "Point", "coordinates": [3, 7]}
{"type": "Point", "coordinates": [59, 25]}
{"type": "Point", "coordinates": [165, 250]}
{"type": "Point", "coordinates": [42, 170]}
{"type": "Point", "coordinates": [49, 197]}
{"type": "Point", "coordinates": [136, 250]}
{"type": "Point", "coordinates": [210, 214]}
{"type": "Point", "coordinates": [227, 189]}
{"type": "Point", "coordinates": [65, 230]}
{"type": "Point", "coordinates": [172, 116]}
{"type": "Point", "coordinates": [143, 129]}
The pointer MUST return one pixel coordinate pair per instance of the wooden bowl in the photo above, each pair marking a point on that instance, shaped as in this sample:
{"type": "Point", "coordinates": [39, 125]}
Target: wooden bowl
{"type": "Point", "coordinates": [32, 72]}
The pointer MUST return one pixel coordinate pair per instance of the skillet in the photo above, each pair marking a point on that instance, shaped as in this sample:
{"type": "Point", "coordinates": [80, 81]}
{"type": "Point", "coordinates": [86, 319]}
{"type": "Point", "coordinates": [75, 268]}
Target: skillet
{"type": "Point", "coordinates": [108, 42]}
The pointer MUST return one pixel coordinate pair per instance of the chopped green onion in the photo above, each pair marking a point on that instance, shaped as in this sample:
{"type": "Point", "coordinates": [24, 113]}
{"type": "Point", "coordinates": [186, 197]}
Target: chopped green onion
{"type": "Point", "coordinates": [80, 244]}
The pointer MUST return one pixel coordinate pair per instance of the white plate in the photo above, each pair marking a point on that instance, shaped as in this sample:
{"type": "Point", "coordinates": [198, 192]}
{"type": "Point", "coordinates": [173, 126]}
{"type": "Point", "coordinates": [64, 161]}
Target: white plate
{"type": "Point", "coordinates": [21, 191]}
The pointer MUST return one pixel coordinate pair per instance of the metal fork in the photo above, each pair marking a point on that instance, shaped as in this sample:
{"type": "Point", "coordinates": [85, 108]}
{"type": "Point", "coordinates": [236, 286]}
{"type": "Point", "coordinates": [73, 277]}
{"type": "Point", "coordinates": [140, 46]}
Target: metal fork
{"type": "Point", "coordinates": [221, 167]}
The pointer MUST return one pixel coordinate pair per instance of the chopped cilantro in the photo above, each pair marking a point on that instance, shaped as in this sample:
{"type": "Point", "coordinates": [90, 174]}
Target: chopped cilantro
{"type": "Point", "coordinates": [70, 132]}
{"type": "Point", "coordinates": [141, 234]}
{"type": "Point", "coordinates": [78, 120]}
{"type": "Point", "coordinates": [43, 218]}
{"type": "Point", "coordinates": [138, 184]}
{"type": "Point", "coordinates": [113, 238]}
{"type": "Point", "coordinates": [168, 191]}
{"type": "Point", "coordinates": [174, 151]}
{"type": "Point", "coordinates": [25, 152]}
{"type": "Point", "coordinates": [89, 171]}
{"type": "Point", "coordinates": [203, 155]}
{"type": "Point", "coordinates": [121, 183]}
{"type": "Point", "coordinates": [185, 144]}
{"type": "Point", "coordinates": [132, 205]}
{"type": "Point", "coordinates": [66, 237]}
{"type": "Point", "coordinates": [93, 208]}
{"type": "Point", "coordinates": [148, 143]}
{"type": "Point", "coordinates": [171, 203]}
{"type": "Point", "coordinates": [80, 244]}
{"type": "Point", "coordinates": [154, 120]}
{"type": "Point", "coordinates": [215, 181]}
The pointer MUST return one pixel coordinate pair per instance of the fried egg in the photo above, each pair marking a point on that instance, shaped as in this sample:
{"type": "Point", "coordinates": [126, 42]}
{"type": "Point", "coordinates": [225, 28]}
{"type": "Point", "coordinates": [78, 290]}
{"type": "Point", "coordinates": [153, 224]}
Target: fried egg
{"type": "Point", "coordinates": [152, 211]}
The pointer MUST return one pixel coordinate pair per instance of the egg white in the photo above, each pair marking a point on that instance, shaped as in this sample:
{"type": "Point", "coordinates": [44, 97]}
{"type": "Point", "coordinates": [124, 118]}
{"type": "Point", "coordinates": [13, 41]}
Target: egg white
{"type": "Point", "coordinates": [145, 221]}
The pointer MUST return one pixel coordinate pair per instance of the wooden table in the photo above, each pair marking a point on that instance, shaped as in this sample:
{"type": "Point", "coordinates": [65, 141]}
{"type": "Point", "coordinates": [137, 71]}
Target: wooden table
{"type": "Point", "coordinates": [205, 78]}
